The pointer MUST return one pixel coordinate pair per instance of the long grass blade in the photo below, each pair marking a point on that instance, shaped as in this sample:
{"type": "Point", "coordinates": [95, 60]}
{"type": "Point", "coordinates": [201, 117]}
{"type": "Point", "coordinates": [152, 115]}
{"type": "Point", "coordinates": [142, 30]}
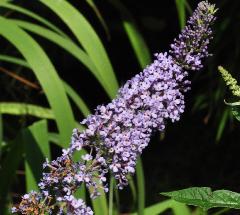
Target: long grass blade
{"type": "Point", "coordinates": [34, 16]}
{"type": "Point", "coordinates": [76, 99]}
{"type": "Point", "coordinates": [180, 4]}
{"type": "Point", "coordinates": [79, 102]}
{"type": "Point", "coordinates": [14, 60]}
{"type": "Point", "coordinates": [110, 200]}
{"type": "Point", "coordinates": [100, 17]}
{"type": "Point", "coordinates": [36, 151]}
{"type": "Point", "coordinates": [88, 38]}
{"type": "Point", "coordinates": [66, 44]}
{"type": "Point", "coordinates": [8, 170]}
{"type": "Point", "coordinates": [222, 125]}
{"type": "Point", "coordinates": [45, 73]}
{"type": "Point", "coordinates": [180, 209]}
{"type": "Point", "coordinates": [1, 134]}
{"type": "Point", "coordinates": [135, 37]}
{"type": "Point", "coordinates": [141, 187]}
{"type": "Point", "coordinates": [14, 108]}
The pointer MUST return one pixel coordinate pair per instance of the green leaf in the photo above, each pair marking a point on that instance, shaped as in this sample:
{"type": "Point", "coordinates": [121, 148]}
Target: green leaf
{"type": "Point", "coordinates": [8, 169]}
{"type": "Point", "coordinates": [100, 205]}
{"type": "Point", "coordinates": [88, 38]}
{"type": "Point", "coordinates": [14, 60]}
{"type": "Point", "coordinates": [45, 73]}
{"type": "Point", "coordinates": [1, 134]}
{"type": "Point", "coordinates": [76, 99]}
{"type": "Point", "coordinates": [69, 90]}
{"type": "Point", "coordinates": [36, 151]}
{"type": "Point", "coordinates": [136, 39]}
{"type": "Point", "coordinates": [14, 108]}
{"type": "Point", "coordinates": [110, 200]}
{"type": "Point", "coordinates": [141, 187]}
{"type": "Point", "coordinates": [181, 12]}
{"type": "Point", "coordinates": [34, 16]}
{"type": "Point", "coordinates": [236, 112]}
{"type": "Point", "coordinates": [205, 198]}
{"type": "Point", "coordinates": [222, 125]}
{"type": "Point", "coordinates": [163, 206]}
{"type": "Point", "coordinates": [66, 44]}
{"type": "Point", "coordinates": [100, 17]}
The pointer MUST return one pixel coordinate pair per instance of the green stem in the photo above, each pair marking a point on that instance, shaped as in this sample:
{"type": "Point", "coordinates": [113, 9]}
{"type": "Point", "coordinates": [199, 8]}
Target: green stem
{"type": "Point", "coordinates": [141, 187]}
{"type": "Point", "coordinates": [110, 207]}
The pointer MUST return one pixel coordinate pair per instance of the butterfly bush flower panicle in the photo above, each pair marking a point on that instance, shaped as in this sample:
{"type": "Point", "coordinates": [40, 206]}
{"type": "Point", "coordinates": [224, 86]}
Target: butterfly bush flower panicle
{"type": "Point", "coordinates": [118, 132]}
{"type": "Point", "coordinates": [191, 46]}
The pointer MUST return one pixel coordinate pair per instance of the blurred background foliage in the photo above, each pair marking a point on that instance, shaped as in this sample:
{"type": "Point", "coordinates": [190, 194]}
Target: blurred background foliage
{"type": "Point", "coordinates": [60, 59]}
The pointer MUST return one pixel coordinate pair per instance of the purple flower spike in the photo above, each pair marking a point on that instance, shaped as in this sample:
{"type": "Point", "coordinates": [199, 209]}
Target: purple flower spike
{"type": "Point", "coordinates": [117, 133]}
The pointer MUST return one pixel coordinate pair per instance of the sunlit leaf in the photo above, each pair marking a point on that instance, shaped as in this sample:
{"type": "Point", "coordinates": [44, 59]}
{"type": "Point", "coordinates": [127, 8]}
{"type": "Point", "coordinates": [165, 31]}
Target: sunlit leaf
{"type": "Point", "coordinates": [36, 151]}
{"type": "Point", "coordinates": [14, 108]}
{"type": "Point", "coordinates": [45, 73]}
{"type": "Point", "coordinates": [206, 198]}
{"type": "Point", "coordinates": [88, 38]}
{"type": "Point", "coordinates": [165, 205]}
{"type": "Point", "coordinates": [34, 16]}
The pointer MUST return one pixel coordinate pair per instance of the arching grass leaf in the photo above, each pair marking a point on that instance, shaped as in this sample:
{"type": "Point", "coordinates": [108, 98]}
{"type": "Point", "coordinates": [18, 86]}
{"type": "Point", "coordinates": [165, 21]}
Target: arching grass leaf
{"type": "Point", "coordinates": [14, 108]}
{"type": "Point", "coordinates": [34, 16]}
{"type": "Point", "coordinates": [36, 151]}
{"type": "Point", "coordinates": [88, 39]}
{"type": "Point", "coordinates": [100, 17]}
{"type": "Point", "coordinates": [181, 12]}
{"type": "Point", "coordinates": [45, 73]}
{"type": "Point", "coordinates": [165, 205]}
{"type": "Point", "coordinates": [69, 90]}
{"type": "Point", "coordinates": [136, 39]}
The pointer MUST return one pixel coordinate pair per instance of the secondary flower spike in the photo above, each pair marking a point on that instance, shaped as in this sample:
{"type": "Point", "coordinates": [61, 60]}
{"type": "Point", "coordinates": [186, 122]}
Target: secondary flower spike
{"type": "Point", "coordinates": [117, 133]}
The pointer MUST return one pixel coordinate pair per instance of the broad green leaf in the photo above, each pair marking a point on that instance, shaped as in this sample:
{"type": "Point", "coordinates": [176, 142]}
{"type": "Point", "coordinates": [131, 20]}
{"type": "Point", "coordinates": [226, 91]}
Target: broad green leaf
{"type": "Point", "coordinates": [136, 39]}
{"type": "Point", "coordinates": [141, 187]}
{"type": "Point", "coordinates": [36, 151]}
{"type": "Point", "coordinates": [34, 16]}
{"type": "Point", "coordinates": [88, 39]}
{"type": "Point", "coordinates": [100, 17]}
{"type": "Point", "coordinates": [181, 12]}
{"type": "Point", "coordinates": [235, 107]}
{"type": "Point", "coordinates": [45, 73]}
{"type": "Point", "coordinates": [236, 112]}
{"type": "Point", "coordinates": [14, 108]}
{"type": "Point", "coordinates": [206, 198]}
{"type": "Point", "coordinates": [8, 170]}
